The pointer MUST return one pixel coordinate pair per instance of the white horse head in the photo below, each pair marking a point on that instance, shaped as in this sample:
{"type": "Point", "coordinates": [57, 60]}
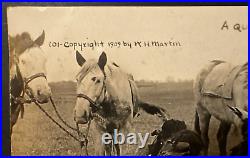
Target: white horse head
{"type": "Point", "coordinates": [90, 83]}
{"type": "Point", "coordinates": [29, 62]}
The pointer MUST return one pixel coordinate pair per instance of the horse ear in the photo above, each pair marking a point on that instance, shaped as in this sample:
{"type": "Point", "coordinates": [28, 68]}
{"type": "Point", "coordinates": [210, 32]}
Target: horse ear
{"type": "Point", "coordinates": [102, 60]}
{"type": "Point", "coordinates": [79, 58]}
{"type": "Point", "coordinates": [39, 41]}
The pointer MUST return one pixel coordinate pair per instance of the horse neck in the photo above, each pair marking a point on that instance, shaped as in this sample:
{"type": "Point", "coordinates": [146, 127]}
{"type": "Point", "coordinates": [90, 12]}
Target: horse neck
{"type": "Point", "coordinates": [115, 79]}
{"type": "Point", "coordinates": [118, 92]}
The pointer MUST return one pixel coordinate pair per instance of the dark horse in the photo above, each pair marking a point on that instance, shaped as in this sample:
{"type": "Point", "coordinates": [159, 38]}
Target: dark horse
{"type": "Point", "coordinates": [173, 139]}
{"type": "Point", "coordinates": [27, 73]}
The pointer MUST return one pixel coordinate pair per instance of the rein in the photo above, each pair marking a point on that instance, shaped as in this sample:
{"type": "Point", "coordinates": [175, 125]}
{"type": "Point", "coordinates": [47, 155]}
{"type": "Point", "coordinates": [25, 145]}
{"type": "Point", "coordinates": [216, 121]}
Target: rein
{"type": "Point", "coordinates": [95, 106]}
{"type": "Point", "coordinates": [82, 138]}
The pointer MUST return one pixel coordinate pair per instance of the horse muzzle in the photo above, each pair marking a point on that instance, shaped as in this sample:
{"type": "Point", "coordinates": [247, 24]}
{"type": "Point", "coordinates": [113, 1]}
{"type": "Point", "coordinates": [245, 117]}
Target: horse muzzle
{"type": "Point", "coordinates": [42, 96]}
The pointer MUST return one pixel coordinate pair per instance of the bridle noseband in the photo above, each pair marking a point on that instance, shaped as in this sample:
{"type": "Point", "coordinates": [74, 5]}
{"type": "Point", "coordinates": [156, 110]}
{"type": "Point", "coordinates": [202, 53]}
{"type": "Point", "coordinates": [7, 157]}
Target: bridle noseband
{"type": "Point", "coordinates": [32, 77]}
{"type": "Point", "coordinates": [95, 106]}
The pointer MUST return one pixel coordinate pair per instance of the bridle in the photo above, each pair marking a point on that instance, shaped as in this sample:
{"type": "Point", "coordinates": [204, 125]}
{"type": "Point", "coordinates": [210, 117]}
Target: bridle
{"type": "Point", "coordinates": [95, 106]}
{"type": "Point", "coordinates": [20, 100]}
{"type": "Point", "coordinates": [29, 79]}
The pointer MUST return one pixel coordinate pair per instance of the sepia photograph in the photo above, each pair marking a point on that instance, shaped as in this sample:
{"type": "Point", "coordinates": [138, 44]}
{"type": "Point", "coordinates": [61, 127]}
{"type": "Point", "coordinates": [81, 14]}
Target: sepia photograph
{"type": "Point", "coordinates": [128, 80]}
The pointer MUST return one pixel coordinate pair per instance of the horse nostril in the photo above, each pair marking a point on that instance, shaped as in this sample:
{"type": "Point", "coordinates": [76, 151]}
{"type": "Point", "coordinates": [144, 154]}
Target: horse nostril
{"type": "Point", "coordinates": [85, 114]}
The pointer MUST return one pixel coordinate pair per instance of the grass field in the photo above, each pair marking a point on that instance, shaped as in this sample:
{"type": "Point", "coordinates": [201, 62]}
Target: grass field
{"type": "Point", "coordinates": [37, 135]}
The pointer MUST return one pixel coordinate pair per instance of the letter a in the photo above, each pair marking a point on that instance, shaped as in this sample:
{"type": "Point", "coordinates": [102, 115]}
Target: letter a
{"type": "Point", "coordinates": [131, 138]}
{"type": "Point", "coordinates": [224, 25]}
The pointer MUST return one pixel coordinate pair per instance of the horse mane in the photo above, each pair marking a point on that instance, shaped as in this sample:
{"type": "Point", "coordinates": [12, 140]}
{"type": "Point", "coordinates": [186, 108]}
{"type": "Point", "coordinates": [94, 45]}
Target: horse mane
{"type": "Point", "coordinates": [18, 44]}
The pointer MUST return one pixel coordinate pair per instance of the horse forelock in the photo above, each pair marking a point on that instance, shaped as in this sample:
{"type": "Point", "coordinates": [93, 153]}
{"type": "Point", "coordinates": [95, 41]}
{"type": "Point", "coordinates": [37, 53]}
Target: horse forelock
{"type": "Point", "coordinates": [90, 65]}
{"type": "Point", "coordinates": [85, 69]}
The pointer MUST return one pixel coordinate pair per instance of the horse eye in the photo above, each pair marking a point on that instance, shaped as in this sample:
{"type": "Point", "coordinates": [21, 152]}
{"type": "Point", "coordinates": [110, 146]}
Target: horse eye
{"type": "Point", "coordinates": [98, 81]}
{"type": "Point", "coordinates": [93, 78]}
{"type": "Point", "coordinates": [169, 142]}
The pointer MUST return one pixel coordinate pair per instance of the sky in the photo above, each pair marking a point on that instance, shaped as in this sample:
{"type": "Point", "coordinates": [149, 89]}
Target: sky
{"type": "Point", "coordinates": [197, 29]}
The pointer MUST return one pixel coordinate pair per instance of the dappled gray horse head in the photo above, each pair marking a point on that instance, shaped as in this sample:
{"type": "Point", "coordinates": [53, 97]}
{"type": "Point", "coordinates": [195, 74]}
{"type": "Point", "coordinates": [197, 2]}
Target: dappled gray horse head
{"type": "Point", "coordinates": [29, 61]}
{"type": "Point", "coordinates": [90, 87]}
